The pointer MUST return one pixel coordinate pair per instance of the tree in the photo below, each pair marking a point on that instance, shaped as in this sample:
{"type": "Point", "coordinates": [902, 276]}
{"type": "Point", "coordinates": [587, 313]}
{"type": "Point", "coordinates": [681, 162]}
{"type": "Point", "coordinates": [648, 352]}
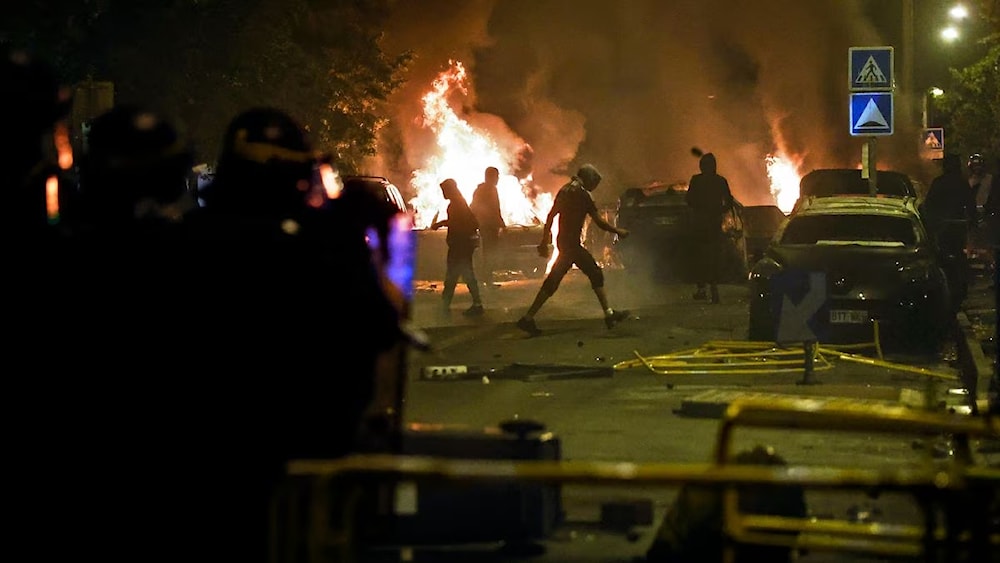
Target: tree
{"type": "Point", "coordinates": [971, 103]}
{"type": "Point", "coordinates": [204, 61]}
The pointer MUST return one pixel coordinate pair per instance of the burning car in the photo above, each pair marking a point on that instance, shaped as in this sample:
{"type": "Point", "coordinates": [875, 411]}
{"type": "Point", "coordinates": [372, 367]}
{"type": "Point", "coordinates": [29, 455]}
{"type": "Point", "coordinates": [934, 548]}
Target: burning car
{"type": "Point", "coordinates": [878, 262]}
{"type": "Point", "coordinates": [660, 240]}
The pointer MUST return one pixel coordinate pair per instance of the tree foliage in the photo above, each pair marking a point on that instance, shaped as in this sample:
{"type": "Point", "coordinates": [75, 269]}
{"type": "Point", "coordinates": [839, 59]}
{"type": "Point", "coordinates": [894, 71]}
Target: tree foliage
{"type": "Point", "coordinates": [971, 103]}
{"type": "Point", "coordinates": [204, 61]}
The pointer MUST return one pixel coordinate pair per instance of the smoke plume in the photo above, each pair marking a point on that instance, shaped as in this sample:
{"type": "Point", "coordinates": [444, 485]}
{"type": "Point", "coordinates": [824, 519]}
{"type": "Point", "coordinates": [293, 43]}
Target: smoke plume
{"type": "Point", "coordinates": [632, 86]}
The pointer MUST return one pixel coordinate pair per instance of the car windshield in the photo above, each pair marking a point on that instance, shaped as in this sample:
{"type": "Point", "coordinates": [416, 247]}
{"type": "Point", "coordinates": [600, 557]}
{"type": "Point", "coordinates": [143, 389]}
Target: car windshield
{"type": "Point", "coordinates": [853, 229]}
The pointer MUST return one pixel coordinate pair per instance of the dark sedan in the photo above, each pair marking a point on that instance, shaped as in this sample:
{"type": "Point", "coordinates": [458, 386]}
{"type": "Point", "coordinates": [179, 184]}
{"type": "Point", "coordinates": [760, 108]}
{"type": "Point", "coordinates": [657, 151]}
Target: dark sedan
{"type": "Point", "coordinates": [661, 240]}
{"type": "Point", "coordinates": [877, 262]}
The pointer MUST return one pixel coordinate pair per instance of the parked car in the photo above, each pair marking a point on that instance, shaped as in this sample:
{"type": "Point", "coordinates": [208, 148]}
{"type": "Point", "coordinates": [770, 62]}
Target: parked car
{"type": "Point", "coordinates": [833, 182]}
{"type": "Point", "coordinates": [878, 263]}
{"type": "Point", "coordinates": [661, 240]}
{"type": "Point", "coordinates": [379, 186]}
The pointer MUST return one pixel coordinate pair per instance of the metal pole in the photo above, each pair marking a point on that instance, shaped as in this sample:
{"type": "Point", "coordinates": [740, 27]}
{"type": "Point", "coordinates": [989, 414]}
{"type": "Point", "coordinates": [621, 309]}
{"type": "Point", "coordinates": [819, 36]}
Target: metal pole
{"type": "Point", "coordinates": [809, 348]}
{"type": "Point", "coordinates": [908, 57]}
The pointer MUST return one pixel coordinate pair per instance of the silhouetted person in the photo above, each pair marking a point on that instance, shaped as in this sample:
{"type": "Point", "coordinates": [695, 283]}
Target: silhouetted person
{"type": "Point", "coordinates": [133, 176]}
{"type": "Point", "coordinates": [486, 206]}
{"type": "Point", "coordinates": [463, 233]}
{"type": "Point", "coordinates": [949, 198]}
{"type": "Point", "coordinates": [693, 528]}
{"type": "Point", "coordinates": [948, 212]}
{"type": "Point", "coordinates": [710, 199]}
{"type": "Point", "coordinates": [291, 320]}
{"type": "Point", "coordinates": [982, 182]}
{"type": "Point", "coordinates": [573, 204]}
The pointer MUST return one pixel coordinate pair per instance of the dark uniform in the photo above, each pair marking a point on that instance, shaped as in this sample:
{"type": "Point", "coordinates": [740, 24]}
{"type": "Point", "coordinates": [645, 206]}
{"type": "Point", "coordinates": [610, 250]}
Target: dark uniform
{"type": "Point", "coordinates": [289, 322]}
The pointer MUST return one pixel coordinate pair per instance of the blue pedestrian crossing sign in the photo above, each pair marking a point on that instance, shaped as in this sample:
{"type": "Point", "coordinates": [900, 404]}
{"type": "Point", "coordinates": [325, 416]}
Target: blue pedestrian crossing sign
{"type": "Point", "coordinates": [870, 69]}
{"type": "Point", "coordinates": [871, 113]}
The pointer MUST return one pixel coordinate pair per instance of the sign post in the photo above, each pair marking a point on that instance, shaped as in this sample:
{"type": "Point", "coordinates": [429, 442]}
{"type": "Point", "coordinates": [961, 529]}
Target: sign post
{"type": "Point", "coordinates": [870, 82]}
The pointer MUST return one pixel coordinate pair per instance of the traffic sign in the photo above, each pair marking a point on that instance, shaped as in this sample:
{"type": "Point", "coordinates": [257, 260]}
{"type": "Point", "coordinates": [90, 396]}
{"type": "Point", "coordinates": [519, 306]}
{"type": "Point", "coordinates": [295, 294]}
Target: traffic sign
{"type": "Point", "coordinates": [934, 138]}
{"type": "Point", "coordinates": [800, 298]}
{"type": "Point", "coordinates": [932, 143]}
{"type": "Point", "coordinates": [871, 113]}
{"type": "Point", "coordinates": [870, 69]}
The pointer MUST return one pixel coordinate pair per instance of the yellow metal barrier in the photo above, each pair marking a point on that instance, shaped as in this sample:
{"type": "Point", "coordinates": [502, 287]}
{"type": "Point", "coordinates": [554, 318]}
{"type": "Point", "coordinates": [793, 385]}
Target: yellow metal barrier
{"type": "Point", "coordinates": [844, 415]}
{"type": "Point", "coordinates": [942, 491]}
{"type": "Point", "coordinates": [882, 539]}
{"type": "Point", "coordinates": [754, 357]}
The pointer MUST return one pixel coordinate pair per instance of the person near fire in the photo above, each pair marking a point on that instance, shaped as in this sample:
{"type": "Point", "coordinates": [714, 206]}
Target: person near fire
{"type": "Point", "coordinates": [709, 198]}
{"type": "Point", "coordinates": [573, 204]}
{"type": "Point", "coordinates": [486, 206]}
{"type": "Point", "coordinates": [463, 238]}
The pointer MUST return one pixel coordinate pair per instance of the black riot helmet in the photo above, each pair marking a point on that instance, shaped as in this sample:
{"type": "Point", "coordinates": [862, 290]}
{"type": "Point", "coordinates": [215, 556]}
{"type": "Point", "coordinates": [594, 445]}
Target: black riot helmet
{"type": "Point", "coordinates": [589, 176]}
{"type": "Point", "coordinates": [132, 154]}
{"type": "Point", "coordinates": [266, 164]}
{"type": "Point", "coordinates": [976, 162]}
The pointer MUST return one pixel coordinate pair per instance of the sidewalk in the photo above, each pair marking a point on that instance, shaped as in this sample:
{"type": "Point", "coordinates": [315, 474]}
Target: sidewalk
{"type": "Point", "coordinates": [977, 346]}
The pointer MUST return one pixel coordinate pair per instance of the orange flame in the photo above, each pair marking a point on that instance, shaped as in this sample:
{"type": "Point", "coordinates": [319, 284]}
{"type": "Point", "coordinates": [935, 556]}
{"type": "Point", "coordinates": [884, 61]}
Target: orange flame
{"type": "Point", "coordinates": [63, 148]}
{"type": "Point", "coordinates": [785, 177]}
{"type": "Point", "coordinates": [52, 199]}
{"type": "Point", "coordinates": [463, 152]}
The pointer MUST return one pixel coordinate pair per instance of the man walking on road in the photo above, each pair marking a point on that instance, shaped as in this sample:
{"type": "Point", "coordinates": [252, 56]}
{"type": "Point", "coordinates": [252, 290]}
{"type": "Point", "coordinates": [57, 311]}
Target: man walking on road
{"type": "Point", "coordinates": [486, 206]}
{"type": "Point", "coordinates": [573, 204]}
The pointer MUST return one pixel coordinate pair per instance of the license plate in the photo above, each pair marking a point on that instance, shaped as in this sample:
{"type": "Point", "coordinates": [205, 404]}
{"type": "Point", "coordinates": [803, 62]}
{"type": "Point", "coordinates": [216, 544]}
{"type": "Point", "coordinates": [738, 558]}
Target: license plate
{"type": "Point", "coordinates": [848, 316]}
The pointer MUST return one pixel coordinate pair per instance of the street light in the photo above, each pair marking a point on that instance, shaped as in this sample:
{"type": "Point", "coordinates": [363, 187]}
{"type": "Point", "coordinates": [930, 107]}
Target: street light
{"type": "Point", "coordinates": [958, 12]}
{"type": "Point", "coordinates": [932, 92]}
{"type": "Point", "coordinates": [949, 34]}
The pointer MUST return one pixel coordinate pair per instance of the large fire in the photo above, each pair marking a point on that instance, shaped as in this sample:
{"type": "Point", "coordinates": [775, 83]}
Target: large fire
{"type": "Point", "coordinates": [784, 176]}
{"type": "Point", "coordinates": [463, 152]}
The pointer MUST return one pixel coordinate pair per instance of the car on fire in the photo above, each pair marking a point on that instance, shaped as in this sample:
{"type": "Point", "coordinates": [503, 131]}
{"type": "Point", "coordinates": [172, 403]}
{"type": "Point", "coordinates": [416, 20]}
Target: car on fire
{"type": "Point", "coordinates": [878, 263]}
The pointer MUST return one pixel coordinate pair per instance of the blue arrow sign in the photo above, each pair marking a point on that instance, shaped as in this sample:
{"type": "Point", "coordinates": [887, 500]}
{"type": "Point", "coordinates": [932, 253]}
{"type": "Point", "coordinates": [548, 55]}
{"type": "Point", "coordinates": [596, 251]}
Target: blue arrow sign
{"type": "Point", "coordinates": [871, 113]}
{"type": "Point", "coordinates": [870, 69]}
{"type": "Point", "coordinates": [803, 311]}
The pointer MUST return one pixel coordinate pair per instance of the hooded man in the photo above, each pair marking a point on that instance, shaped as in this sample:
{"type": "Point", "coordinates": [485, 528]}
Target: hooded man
{"type": "Point", "coordinates": [573, 204]}
{"type": "Point", "coordinates": [709, 198]}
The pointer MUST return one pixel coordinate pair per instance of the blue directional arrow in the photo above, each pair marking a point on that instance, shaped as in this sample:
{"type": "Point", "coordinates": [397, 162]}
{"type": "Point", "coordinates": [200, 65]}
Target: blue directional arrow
{"type": "Point", "coordinates": [871, 113]}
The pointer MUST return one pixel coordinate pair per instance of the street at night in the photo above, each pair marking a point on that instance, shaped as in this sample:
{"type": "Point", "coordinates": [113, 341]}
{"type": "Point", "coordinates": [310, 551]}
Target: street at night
{"type": "Point", "coordinates": [442, 281]}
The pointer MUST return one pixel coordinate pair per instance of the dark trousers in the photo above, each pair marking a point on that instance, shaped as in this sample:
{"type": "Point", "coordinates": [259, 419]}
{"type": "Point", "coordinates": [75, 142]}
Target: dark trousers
{"type": "Point", "coordinates": [490, 239]}
{"type": "Point", "coordinates": [459, 265]}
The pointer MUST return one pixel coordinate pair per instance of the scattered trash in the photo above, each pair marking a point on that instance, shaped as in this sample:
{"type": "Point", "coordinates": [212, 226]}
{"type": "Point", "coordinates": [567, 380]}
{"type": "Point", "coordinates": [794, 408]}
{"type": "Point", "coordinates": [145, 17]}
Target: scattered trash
{"type": "Point", "coordinates": [541, 394]}
{"type": "Point", "coordinates": [599, 358]}
{"type": "Point", "coordinates": [486, 380]}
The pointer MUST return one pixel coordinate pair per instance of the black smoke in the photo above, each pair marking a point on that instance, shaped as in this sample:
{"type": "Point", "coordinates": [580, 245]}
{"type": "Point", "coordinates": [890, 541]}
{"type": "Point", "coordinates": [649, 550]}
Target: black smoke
{"type": "Point", "coordinates": [632, 86]}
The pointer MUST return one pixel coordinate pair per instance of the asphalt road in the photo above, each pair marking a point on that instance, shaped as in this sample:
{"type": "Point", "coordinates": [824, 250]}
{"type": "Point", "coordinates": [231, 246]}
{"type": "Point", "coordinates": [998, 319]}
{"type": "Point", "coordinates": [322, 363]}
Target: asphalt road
{"type": "Point", "coordinates": [566, 380]}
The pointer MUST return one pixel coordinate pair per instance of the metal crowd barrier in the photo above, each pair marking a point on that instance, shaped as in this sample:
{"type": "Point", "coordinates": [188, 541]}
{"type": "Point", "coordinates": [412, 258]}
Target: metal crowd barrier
{"type": "Point", "coordinates": [951, 524]}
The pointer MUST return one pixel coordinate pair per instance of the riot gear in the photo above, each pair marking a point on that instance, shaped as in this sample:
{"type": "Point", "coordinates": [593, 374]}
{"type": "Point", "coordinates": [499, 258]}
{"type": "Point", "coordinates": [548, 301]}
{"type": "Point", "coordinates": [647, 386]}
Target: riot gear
{"type": "Point", "coordinates": [132, 155]}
